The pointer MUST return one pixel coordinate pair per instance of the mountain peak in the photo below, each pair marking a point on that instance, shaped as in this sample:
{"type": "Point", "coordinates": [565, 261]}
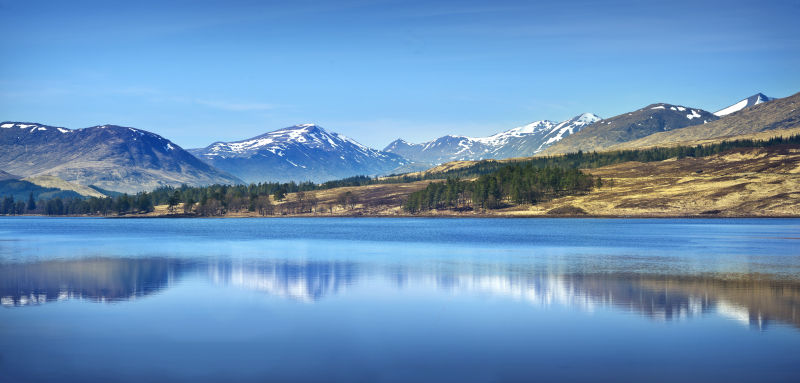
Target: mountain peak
{"type": "Point", "coordinates": [586, 118]}
{"type": "Point", "coordinates": [299, 152]}
{"type": "Point", "coordinates": [759, 98]}
{"type": "Point", "coordinates": [304, 127]}
{"type": "Point", "coordinates": [299, 132]}
{"type": "Point", "coordinates": [755, 99]}
{"type": "Point", "coordinates": [397, 145]}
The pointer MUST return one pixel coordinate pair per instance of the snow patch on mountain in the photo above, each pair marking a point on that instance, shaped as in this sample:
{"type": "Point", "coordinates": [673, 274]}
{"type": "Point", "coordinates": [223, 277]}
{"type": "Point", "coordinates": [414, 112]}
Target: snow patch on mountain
{"type": "Point", "coordinates": [567, 128]}
{"type": "Point", "coordinates": [32, 127]}
{"type": "Point", "coordinates": [521, 141]}
{"type": "Point", "coordinates": [755, 99]}
{"type": "Point", "coordinates": [502, 138]}
{"type": "Point", "coordinates": [694, 114]}
{"type": "Point", "coordinates": [298, 153]}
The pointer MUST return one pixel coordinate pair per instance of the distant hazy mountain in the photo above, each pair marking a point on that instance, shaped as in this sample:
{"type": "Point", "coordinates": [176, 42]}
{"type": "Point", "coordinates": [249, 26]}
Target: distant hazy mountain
{"type": "Point", "coordinates": [781, 114]}
{"type": "Point", "coordinates": [111, 157]}
{"type": "Point", "coordinates": [298, 153]}
{"type": "Point", "coordinates": [755, 99]}
{"type": "Point", "coordinates": [522, 141]}
{"type": "Point", "coordinates": [630, 126]}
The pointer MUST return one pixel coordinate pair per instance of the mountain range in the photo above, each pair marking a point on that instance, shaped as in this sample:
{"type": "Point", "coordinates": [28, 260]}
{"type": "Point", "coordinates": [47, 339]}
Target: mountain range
{"type": "Point", "coordinates": [304, 152]}
{"type": "Point", "coordinates": [108, 156]}
{"type": "Point", "coordinates": [122, 159]}
{"type": "Point", "coordinates": [651, 119]}
{"type": "Point", "coordinates": [522, 141]}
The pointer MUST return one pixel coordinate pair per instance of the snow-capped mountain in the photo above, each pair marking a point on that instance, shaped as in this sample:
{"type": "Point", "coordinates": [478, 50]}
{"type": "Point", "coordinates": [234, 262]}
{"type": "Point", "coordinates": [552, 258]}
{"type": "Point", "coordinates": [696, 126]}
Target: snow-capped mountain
{"type": "Point", "coordinates": [780, 114]}
{"type": "Point", "coordinates": [522, 141]}
{"type": "Point", "coordinates": [109, 156]}
{"type": "Point", "coordinates": [298, 153]}
{"type": "Point", "coordinates": [654, 118]}
{"type": "Point", "coordinates": [747, 102]}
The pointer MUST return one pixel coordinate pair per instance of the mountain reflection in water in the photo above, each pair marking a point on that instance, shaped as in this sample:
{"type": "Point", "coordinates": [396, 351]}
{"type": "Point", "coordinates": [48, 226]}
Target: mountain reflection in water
{"type": "Point", "coordinates": [750, 300]}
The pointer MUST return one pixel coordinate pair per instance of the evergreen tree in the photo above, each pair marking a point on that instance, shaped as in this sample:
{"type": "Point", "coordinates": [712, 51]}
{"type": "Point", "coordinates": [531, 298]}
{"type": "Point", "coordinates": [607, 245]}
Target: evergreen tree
{"type": "Point", "coordinates": [188, 205]}
{"type": "Point", "coordinates": [173, 200]}
{"type": "Point", "coordinates": [279, 194]}
{"type": "Point", "coordinates": [31, 203]}
{"type": "Point", "coordinates": [144, 203]}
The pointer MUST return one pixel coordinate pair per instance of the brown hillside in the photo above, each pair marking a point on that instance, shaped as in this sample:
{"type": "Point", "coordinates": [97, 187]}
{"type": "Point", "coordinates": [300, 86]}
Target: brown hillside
{"type": "Point", "coordinates": [744, 182]}
{"type": "Point", "coordinates": [781, 114]}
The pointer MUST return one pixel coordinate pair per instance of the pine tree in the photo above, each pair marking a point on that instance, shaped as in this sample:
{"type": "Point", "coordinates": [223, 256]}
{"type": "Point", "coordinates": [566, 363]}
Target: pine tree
{"type": "Point", "coordinates": [31, 202]}
{"type": "Point", "coordinates": [173, 201]}
{"type": "Point", "coordinates": [188, 205]}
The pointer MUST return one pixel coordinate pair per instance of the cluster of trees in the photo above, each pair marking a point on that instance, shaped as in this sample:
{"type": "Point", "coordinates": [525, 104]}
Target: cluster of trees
{"type": "Point", "coordinates": [515, 183]}
{"type": "Point", "coordinates": [218, 200]}
{"type": "Point", "coordinates": [212, 200]}
{"type": "Point", "coordinates": [123, 204]}
{"type": "Point", "coordinates": [11, 207]}
{"type": "Point", "coordinates": [139, 203]}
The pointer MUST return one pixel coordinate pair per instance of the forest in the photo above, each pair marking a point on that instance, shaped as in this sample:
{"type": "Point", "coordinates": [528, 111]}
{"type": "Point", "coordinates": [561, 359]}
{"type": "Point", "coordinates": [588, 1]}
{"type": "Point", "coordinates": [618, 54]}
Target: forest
{"type": "Point", "coordinates": [515, 183]}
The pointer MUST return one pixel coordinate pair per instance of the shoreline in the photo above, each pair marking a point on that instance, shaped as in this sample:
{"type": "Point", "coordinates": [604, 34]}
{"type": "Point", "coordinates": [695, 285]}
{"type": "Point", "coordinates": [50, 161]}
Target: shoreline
{"type": "Point", "coordinates": [431, 216]}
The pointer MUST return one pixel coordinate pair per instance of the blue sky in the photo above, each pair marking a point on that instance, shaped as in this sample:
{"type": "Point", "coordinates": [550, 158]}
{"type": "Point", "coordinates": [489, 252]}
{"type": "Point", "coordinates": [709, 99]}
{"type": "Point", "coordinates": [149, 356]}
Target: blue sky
{"type": "Point", "coordinates": [201, 71]}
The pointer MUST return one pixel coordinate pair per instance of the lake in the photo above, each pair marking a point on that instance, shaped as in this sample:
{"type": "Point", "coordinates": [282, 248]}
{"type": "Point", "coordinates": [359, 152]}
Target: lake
{"type": "Point", "coordinates": [399, 300]}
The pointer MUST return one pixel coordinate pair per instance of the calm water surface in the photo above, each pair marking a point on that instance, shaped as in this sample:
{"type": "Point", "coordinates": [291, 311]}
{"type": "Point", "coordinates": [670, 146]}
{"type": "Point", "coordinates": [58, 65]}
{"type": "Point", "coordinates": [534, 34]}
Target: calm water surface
{"type": "Point", "coordinates": [399, 300]}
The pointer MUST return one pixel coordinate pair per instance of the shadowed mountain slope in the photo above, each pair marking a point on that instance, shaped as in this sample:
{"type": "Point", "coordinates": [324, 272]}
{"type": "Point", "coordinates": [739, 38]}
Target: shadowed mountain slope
{"type": "Point", "coordinates": [112, 157]}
